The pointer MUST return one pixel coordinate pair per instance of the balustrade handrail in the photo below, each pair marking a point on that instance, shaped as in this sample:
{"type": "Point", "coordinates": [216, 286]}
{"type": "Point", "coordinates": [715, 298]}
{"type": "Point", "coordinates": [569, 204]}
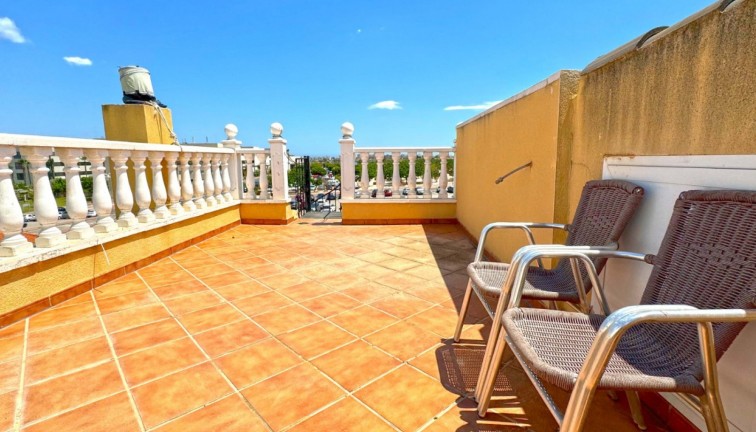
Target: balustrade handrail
{"type": "Point", "coordinates": [18, 140]}
{"type": "Point", "coordinates": [403, 149]}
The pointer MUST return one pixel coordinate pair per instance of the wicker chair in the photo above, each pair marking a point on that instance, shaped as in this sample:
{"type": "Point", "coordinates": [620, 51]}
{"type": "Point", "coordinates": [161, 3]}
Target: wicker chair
{"type": "Point", "coordinates": [699, 296]}
{"type": "Point", "coordinates": [604, 209]}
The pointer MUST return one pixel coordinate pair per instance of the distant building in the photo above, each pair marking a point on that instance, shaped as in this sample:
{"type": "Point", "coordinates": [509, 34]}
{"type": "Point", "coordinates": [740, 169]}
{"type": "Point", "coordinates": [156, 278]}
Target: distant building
{"type": "Point", "coordinates": [22, 169]}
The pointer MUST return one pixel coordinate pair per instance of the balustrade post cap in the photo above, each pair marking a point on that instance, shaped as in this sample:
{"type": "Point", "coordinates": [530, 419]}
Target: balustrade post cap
{"type": "Point", "coordinates": [231, 131]}
{"type": "Point", "coordinates": [347, 130]}
{"type": "Point", "coordinates": [276, 130]}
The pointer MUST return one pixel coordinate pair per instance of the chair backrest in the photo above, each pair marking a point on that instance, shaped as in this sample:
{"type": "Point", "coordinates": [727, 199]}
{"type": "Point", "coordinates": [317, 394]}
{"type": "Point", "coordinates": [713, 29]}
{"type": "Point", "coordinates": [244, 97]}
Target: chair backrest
{"type": "Point", "coordinates": [707, 259]}
{"type": "Point", "coordinates": [603, 212]}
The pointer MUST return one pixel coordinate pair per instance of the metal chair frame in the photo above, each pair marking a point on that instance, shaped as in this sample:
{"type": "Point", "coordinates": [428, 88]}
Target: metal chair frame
{"type": "Point", "coordinates": [608, 337]}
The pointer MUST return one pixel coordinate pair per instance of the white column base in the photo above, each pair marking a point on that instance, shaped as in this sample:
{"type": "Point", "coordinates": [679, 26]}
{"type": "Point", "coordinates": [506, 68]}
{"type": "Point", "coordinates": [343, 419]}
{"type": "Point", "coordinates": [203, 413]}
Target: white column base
{"type": "Point", "coordinates": [50, 239]}
{"type": "Point", "coordinates": [146, 216]}
{"type": "Point", "coordinates": [15, 245]}
{"type": "Point", "coordinates": [176, 209]}
{"type": "Point", "coordinates": [189, 206]}
{"type": "Point", "coordinates": [228, 197]}
{"type": "Point", "coordinates": [200, 203]}
{"type": "Point", "coordinates": [83, 234]}
{"type": "Point", "coordinates": [211, 202]}
{"type": "Point", "coordinates": [162, 212]}
{"type": "Point", "coordinates": [105, 227]}
{"type": "Point", "coordinates": [127, 220]}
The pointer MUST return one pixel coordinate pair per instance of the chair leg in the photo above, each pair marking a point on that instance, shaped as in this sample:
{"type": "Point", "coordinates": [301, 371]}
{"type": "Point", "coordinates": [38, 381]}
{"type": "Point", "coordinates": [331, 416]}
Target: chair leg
{"type": "Point", "coordinates": [463, 311]}
{"type": "Point", "coordinates": [713, 412]}
{"type": "Point", "coordinates": [486, 390]}
{"type": "Point", "coordinates": [635, 409]}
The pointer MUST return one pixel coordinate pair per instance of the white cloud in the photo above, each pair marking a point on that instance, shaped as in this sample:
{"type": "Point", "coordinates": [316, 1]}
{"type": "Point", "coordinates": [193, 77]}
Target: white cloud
{"type": "Point", "coordinates": [8, 30]}
{"type": "Point", "coordinates": [387, 105]}
{"type": "Point", "coordinates": [483, 106]}
{"type": "Point", "coordinates": [78, 61]}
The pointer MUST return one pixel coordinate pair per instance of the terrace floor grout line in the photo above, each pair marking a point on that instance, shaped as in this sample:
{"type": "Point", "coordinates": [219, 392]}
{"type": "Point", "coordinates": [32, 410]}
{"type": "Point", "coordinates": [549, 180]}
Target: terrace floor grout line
{"type": "Point", "coordinates": [109, 340]}
{"type": "Point", "coordinates": [234, 390]}
{"type": "Point", "coordinates": [18, 416]}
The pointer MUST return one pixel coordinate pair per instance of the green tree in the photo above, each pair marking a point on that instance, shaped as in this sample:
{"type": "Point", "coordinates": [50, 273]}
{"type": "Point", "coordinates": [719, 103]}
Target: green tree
{"type": "Point", "coordinates": [317, 168]}
{"type": "Point", "coordinates": [88, 186]}
{"type": "Point", "coordinates": [58, 187]}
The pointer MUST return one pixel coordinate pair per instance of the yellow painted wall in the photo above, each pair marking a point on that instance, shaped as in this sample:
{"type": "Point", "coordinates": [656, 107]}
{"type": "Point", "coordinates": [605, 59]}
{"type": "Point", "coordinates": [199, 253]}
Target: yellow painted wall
{"type": "Point", "coordinates": [526, 129]}
{"type": "Point", "coordinates": [35, 282]}
{"type": "Point", "coordinates": [367, 211]}
{"type": "Point", "coordinates": [692, 91]}
{"type": "Point", "coordinates": [267, 211]}
{"type": "Point", "coordinates": [136, 123]}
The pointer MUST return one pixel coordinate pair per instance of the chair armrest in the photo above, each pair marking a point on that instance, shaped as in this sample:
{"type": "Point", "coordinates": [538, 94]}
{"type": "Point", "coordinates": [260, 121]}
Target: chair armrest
{"type": "Point", "coordinates": [525, 226]}
{"type": "Point", "coordinates": [527, 254]}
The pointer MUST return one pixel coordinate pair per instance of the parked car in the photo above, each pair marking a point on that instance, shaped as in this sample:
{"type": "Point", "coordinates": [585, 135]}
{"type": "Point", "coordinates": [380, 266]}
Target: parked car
{"type": "Point", "coordinates": [91, 213]}
{"type": "Point", "coordinates": [386, 193]}
{"type": "Point", "coordinates": [30, 217]}
{"type": "Point", "coordinates": [63, 213]}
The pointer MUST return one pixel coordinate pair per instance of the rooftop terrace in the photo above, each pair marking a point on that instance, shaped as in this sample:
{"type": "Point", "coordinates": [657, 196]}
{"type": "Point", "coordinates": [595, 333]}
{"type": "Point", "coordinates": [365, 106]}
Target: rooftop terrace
{"type": "Point", "coordinates": [304, 327]}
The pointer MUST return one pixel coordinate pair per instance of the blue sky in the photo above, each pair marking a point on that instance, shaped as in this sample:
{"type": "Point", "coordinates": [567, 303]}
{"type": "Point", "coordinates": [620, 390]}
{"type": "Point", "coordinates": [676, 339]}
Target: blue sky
{"type": "Point", "coordinates": [310, 65]}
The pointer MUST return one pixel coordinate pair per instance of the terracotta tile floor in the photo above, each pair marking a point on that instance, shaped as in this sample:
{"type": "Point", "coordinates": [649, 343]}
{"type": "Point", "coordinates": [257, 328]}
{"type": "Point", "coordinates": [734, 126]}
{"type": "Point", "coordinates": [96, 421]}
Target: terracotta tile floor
{"type": "Point", "coordinates": [306, 327]}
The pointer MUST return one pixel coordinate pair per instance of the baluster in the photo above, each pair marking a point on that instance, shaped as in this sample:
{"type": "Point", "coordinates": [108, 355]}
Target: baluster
{"type": "Point", "coordinates": [209, 181]}
{"type": "Point", "coordinates": [45, 206]}
{"type": "Point", "coordinates": [365, 178]}
{"type": "Point", "coordinates": [264, 177]}
{"type": "Point", "coordinates": [443, 179]}
{"type": "Point", "coordinates": [250, 178]}
{"type": "Point", "coordinates": [159, 194]}
{"type": "Point", "coordinates": [396, 178]}
{"type": "Point", "coordinates": [76, 201]}
{"type": "Point", "coordinates": [346, 143]}
{"type": "Point", "coordinates": [142, 187]}
{"type": "Point", "coordinates": [427, 181]}
{"type": "Point", "coordinates": [124, 197]}
{"type": "Point", "coordinates": [187, 188]}
{"type": "Point", "coordinates": [380, 181]}
{"type": "Point", "coordinates": [412, 179]}
{"type": "Point", "coordinates": [174, 187]}
{"type": "Point", "coordinates": [101, 199]}
{"type": "Point", "coordinates": [199, 187]}
{"type": "Point", "coordinates": [11, 215]}
{"type": "Point", "coordinates": [217, 179]}
{"type": "Point", "coordinates": [226, 175]}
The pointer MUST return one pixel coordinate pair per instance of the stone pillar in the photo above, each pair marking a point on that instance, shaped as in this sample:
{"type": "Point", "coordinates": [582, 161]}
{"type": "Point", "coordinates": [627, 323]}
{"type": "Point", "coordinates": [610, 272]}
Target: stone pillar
{"type": "Point", "coordinates": [279, 163]}
{"type": "Point", "coordinates": [11, 215]}
{"type": "Point", "coordinates": [347, 162]}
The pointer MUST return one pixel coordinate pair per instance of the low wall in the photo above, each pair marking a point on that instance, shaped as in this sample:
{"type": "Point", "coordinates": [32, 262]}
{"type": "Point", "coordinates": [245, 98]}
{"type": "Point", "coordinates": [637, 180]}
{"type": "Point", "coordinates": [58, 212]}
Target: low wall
{"type": "Point", "coordinates": [266, 213]}
{"type": "Point", "coordinates": [398, 212]}
{"type": "Point", "coordinates": [35, 287]}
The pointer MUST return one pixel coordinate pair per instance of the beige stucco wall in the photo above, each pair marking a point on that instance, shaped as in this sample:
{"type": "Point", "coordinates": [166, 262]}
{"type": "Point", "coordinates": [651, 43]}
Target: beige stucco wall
{"type": "Point", "coordinates": [525, 129]}
{"type": "Point", "coordinates": [689, 91]}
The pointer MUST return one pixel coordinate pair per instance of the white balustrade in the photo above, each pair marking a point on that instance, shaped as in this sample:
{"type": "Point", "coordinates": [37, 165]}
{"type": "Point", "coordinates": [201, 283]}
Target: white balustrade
{"type": "Point", "coordinates": [217, 179]}
{"type": "Point", "coordinates": [399, 155]}
{"type": "Point", "coordinates": [396, 180]}
{"type": "Point", "coordinates": [76, 201]}
{"type": "Point", "coordinates": [11, 215]}
{"type": "Point", "coordinates": [101, 199]}
{"type": "Point", "coordinates": [412, 176]}
{"type": "Point", "coordinates": [365, 177]}
{"type": "Point", "coordinates": [45, 206]}
{"type": "Point", "coordinates": [174, 187]}
{"type": "Point", "coordinates": [195, 177]}
{"type": "Point", "coordinates": [226, 176]}
{"type": "Point", "coordinates": [142, 188]}
{"type": "Point", "coordinates": [199, 187]}
{"type": "Point", "coordinates": [159, 194]}
{"type": "Point", "coordinates": [209, 181]}
{"type": "Point", "coordinates": [187, 188]}
{"type": "Point", "coordinates": [263, 177]}
{"type": "Point", "coordinates": [380, 181]}
{"type": "Point", "coordinates": [124, 197]}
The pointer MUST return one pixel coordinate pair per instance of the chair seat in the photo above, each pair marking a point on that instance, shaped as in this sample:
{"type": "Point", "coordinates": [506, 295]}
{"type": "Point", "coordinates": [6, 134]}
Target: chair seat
{"type": "Point", "coordinates": [555, 344]}
{"type": "Point", "coordinates": [488, 279]}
